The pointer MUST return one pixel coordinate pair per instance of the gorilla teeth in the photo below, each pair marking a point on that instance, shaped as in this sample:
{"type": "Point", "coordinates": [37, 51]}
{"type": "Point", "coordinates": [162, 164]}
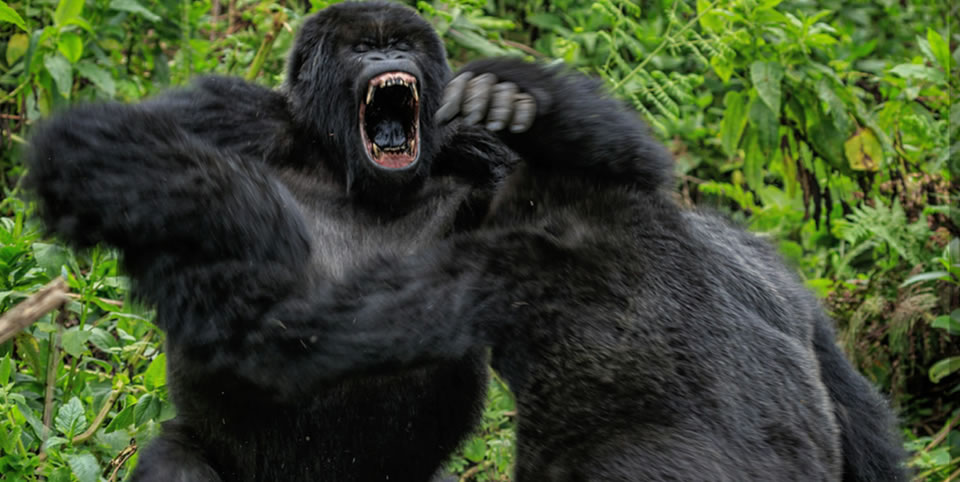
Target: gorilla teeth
{"type": "Point", "coordinates": [388, 80]}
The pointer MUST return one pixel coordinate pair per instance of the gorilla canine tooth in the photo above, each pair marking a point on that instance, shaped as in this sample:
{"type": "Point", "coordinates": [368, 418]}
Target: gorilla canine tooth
{"type": "Point", "coordinates": [370, 94]}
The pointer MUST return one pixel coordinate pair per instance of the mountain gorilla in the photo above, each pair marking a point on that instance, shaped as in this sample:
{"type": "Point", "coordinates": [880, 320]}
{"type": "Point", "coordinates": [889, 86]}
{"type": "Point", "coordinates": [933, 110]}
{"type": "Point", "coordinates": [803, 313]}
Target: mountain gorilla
{"type": "Point", "coordinates": [290, 239]}
{"type": "Point", "coordinates": [230, 202]}
{"type": "Point", "coordinates": [643, 341]}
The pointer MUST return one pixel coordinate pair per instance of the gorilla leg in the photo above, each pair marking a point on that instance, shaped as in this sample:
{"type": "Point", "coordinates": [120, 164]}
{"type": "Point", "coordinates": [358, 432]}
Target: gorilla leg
{"type": "Point", "coordinates": [171, 457]}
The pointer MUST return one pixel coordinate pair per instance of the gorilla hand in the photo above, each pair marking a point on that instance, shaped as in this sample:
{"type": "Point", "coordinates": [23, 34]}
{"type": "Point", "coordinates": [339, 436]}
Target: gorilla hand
{"type": "Point", "coordinates": [557, 119]}
{"type": "Point", "coordinates": [481, 97]}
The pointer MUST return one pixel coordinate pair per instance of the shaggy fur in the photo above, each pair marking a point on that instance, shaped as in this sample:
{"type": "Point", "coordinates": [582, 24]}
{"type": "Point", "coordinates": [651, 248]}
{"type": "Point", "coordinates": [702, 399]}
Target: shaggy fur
{"type": "Point", "coordinates": [229, 202]}
{"type": "Point", "coordinates": [327, 319]}
{"type": "Point", "coordinates": [642, 341]}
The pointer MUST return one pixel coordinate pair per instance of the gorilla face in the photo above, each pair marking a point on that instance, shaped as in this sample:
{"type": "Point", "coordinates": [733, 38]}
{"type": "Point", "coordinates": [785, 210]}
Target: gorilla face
{"type": "Point", "coordinates": [364, 81]}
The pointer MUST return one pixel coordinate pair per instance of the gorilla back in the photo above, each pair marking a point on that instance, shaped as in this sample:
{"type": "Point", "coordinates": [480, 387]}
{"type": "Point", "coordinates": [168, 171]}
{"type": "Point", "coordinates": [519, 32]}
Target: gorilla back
{"type": "Point", "coordinates": [231, 203]}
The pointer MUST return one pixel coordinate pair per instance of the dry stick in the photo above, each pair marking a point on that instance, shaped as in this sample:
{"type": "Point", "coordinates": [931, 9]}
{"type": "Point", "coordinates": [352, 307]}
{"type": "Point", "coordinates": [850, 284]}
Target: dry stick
{"type": "Point", "coordinates": [45, 300]}
{"type": "Point", "coordinates": [475, 470]}
{"type": "Point", "coordinates": [101, 415]}
{"type": "Point", "coordinates": [108, 301]}
{"type": "Point", "coordinates": [943, 433]}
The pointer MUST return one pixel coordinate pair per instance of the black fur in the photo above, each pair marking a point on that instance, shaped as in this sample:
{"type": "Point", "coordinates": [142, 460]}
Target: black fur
{"type": "Point", "coordinates": [643, 342]}
{"type": "Point", "coordinates": [231, 203]}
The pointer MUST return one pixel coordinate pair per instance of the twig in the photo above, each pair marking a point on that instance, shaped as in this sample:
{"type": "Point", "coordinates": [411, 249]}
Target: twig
{"type": "Point", "coordinates": [122, 458]}
{"type": "Point", "coordinates": [101, 415]}
{"type": "Point", "coordinates": [475, 470]}
{"type": "Point", "coordinates": [943, 433]}
{"type": "Point", "coordinates": [117, 303]}
{"type": "Point", "coordinates": [525, 48]}
{"type": "Point", "coordinates": [45, 300]}
{"type": "Point", "coordinates": [15, 91]}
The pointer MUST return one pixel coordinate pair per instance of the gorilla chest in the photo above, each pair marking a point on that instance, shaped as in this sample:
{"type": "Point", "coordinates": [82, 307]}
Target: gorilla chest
{"type": "Point", "coordinates": [346, 235]}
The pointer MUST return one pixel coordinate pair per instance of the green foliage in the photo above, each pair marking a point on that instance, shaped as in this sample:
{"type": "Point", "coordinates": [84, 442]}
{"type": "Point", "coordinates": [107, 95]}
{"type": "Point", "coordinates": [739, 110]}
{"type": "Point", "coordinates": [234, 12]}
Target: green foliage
{"type": "Point", "coordinates": [827, 125]}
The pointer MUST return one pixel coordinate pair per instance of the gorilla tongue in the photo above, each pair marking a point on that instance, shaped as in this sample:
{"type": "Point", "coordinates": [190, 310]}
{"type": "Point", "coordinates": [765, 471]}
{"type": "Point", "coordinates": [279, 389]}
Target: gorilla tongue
{"type": "Point", "coordinates": [389, 120]}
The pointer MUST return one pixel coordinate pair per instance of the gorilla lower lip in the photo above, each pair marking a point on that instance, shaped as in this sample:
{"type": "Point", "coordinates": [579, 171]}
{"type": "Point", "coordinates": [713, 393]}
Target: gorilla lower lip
{"type": "Point", "coordinates": [390, 118]}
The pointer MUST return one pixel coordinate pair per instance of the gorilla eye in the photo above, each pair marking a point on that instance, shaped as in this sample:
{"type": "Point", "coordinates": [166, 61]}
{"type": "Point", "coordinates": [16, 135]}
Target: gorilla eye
{"type": "Point", "coordinates": [402, 45]}
{"type": "Point", "coordinates": [361, 47]}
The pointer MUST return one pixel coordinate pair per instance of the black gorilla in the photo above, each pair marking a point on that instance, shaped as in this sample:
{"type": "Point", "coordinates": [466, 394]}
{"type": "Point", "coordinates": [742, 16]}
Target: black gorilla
{"type": "Point", "coordinates": [643, 341]}
{"type": "Point", "coordinates": [292, 238]}
{"type": "Point", "coordinates": [230, 202]}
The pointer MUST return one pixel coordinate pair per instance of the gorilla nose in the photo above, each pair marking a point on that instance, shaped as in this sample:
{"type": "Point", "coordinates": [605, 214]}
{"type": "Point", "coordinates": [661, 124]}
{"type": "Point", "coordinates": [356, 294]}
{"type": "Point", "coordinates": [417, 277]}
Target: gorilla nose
{"type": "Point", "coordinates": [385, 56]}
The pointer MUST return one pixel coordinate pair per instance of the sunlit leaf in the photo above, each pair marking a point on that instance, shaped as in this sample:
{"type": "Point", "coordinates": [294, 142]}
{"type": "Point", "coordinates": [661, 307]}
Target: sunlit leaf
{"type": "Point", "coordinates": [156, 374]}
{"type": "Point", "coordinates": [10, 15]}
{"type": "Point", "coordinates": [734, 121]}
{"type": "Point", "coordinates": [98, 76]}
{"type": "Point", "coordinates": [70, 419]}
{"type": "Point", "coordinates": [61, 71]}
{"type": "Point", "coordinates": [863, 151]}
{"type": "Point", "coordinates": [84, 467]}
{"type": "Point", "coordinates": [940, 49]}
{"type": "Point", "coordinates": [16, 47]}
{"type": "Point", "coordinates": [766, 77]}
{"type": "Point", "coordinates": [944, 368]}
{"type": "Point", "coordinates": [67, 10]}
{"type": "Point", "coordinates": [133, 6]}
{"type": "Point", "coordinates": [71, 46]}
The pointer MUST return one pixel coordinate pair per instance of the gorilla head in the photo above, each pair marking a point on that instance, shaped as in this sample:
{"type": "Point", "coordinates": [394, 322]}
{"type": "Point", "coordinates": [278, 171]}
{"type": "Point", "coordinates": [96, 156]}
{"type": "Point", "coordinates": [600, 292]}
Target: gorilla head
{"type": "Point", "coordinates": [364, 81]}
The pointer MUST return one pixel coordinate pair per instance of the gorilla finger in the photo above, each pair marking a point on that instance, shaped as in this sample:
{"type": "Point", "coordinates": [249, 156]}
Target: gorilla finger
{"type": "Point", "coordinates": [477, 98]}
{"type": "Point", "coordinates": [453, 97]}
{"type": "Point", "coordinates": [524, 112]}
{"type": "Point", "coordinates": [501, 105]}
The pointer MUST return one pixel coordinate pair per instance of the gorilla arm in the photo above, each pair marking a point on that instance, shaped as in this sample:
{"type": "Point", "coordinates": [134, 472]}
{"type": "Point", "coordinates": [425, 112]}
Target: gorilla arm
{"type": "Point", "coordinates": [557, 119]}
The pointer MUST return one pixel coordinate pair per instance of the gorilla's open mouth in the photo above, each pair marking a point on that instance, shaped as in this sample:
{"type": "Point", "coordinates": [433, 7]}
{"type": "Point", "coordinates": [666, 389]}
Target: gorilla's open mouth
{"type": "Point", "coordinates": [390, 120]}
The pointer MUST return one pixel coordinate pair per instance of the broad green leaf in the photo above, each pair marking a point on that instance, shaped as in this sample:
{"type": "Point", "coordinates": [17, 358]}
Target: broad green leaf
{"type": "Point", "coordinates": [754, 161]}
{"type": "Point", "coordinates": [51, 257]}
{"type": "Point", "coordinates": [156, 374]}
{"type": "Point", "coordinates": [70, 419]}
{"type": "Point", "coordinates": [918, 72]}
{"type": "Point", "coordinates": [71, 46]}
{"type": "Point", "coordinates": [16, 47]}
{"type": "Point", "coordinates": [734, 121]}
{"type": "Point", "coordinates": [765, 123]}
{"type": "Point", "coordinates": [941, 51]}
{"type": "Point", "coordinates": [74, 341]}
{"type": "Point", "coordinates": [766, 77]}
{"type": "Point", "coordinates": [98, 76]}
{"type": "Point", "coordinates": [6, 368]}
{"type": "Point", "coordinates": [944, 368]}
{"type": "Point", "coordinates": [67, 10]}
{"type": "Point", "coordinates": [546, 21]}
{"type": "Point", "coordinates": [863, 150]}
{"type": "Point", "coordinates": [84, 467]}
{"type": "Point", "coordinates": [475, 450]}
{"type": "Point", "coordinates": [123, 419]}
{"type": "Point", "coordinates": [709, 20]}
{"type": "Point", "coordinates": [835, 106]}
{"type": "Point", "coordinates": [54, 442]}
{"type": "Point", "coordinates": [103, 340]}
{"type": "Point", "coordinates": [930, 275]}
{"type": "Point", "coordinates": [950, 323]}
{"type": "Point", "coordinates": [62, 73]}
{"type": "Point", "coordinates": [10, 15]}
{"type": "Point", "coordinates": [147, 408]}
{"type": "Point", "coordinates": [133, 6]}
{"type": "Point", "coordinates": [722, 66]}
